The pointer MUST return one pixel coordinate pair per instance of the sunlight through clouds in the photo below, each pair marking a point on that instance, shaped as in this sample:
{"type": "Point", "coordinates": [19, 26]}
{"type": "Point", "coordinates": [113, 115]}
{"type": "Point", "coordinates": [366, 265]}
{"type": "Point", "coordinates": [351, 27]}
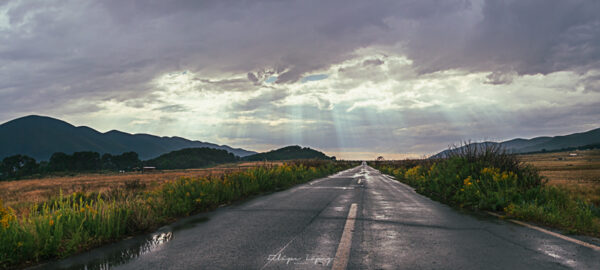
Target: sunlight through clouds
{"type": "Point", "coordinates": [455, 105]}
{"type": "Point", "coordinates": [384, 77]}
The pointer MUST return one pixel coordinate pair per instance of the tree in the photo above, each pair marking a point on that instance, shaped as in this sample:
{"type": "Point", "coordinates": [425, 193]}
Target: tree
{"type": "Point", "coordinates": [126, 160]}
{"type": "Point", "coordinates": [60, 161]}
{"type": "Point", "coordinates": [107, 162]}
{"type": "Point", "coordinates": [86, 161]}
{"type": "Point", "coordinates": [18, 166]}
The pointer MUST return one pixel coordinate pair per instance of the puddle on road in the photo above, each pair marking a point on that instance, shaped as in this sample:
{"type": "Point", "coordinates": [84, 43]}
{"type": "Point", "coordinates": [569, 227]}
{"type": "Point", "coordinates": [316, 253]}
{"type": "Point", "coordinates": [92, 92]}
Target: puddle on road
{"type": "Point", "coordinates": [557, 253]}
{"type": "Point", "coordinates": [124, 251]}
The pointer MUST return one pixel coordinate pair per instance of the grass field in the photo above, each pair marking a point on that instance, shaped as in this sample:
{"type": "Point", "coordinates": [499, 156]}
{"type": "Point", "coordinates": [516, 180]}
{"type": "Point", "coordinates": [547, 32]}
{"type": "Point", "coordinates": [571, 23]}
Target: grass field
{"type": "Point", "coordinates": [99, 209]}
{"type": "Point", "coordinates": [19, 194]}
{"type": "Point", "coordinates": [579, 174]}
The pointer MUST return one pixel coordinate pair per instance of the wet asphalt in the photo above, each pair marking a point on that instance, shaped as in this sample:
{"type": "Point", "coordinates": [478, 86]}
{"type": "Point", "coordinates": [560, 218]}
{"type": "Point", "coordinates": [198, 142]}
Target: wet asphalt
{"type": "Point", "coordinates": [301, 228]}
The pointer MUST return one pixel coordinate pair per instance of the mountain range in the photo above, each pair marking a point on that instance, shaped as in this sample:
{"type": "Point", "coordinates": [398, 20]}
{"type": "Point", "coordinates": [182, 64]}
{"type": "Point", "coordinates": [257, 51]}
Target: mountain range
{"type": "Point", "coordinates": [545, 143]}
{"type": "Point", "coordinates": [40, 136]}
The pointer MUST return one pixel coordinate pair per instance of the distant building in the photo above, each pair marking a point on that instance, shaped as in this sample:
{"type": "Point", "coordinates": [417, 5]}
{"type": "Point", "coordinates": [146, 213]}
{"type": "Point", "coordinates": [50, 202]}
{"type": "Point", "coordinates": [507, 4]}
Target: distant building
{"type": "Point", "coordinates": [573, 154]}
{"type": "Point", "coordinates": [380, 158]}
{"type": "Point", "coordinates": [148, 169]}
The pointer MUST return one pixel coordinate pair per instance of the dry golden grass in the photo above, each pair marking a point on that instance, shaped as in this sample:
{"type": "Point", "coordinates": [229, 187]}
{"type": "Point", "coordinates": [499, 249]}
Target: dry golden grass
{"type": "Point", "coordinates": [579, 174]}
{"type": "Point", "coordinates": [21, 193]}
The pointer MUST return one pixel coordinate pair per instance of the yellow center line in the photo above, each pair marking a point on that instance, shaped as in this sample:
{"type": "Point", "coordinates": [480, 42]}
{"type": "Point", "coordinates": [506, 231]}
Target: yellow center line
{"type": "Point", "coordinates": [343, 251]}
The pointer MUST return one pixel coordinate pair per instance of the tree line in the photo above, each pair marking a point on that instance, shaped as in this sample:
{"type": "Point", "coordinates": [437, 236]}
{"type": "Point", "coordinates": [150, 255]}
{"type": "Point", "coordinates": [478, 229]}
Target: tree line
{"type": "Point", "coordinates": [19, 166]}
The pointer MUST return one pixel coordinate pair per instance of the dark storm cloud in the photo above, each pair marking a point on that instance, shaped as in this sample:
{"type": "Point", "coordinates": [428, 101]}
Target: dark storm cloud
{"type": "Point", "coordinates": [373, 62]}
{"type": "Point", "coordinates": [539, 36]}
{"type": "Point", "coordinates": [80, 53]}
{"type": "Point", "coordinates": [57, 48]}
{"type": "Point", "coordinates": [500, 77]}
{"type": "Point", "coordinates": [591, 83]}
{"type": "Point", "coordinates": [172, 108]}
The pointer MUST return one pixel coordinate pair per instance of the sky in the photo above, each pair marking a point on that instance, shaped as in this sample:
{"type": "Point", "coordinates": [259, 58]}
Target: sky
{"type": "Point", "coordinates": [356, 79]}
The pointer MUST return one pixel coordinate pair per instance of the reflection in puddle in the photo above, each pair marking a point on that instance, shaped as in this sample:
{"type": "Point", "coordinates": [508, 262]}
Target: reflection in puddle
{"type": "Point", "coordinates": [152, 244]}
{"type": "Point", "coordinates": [554, 252]}
{"type": "Point", "coordinates": [124, 251]}
{"type": "Point", "coordinates": [339, 208]}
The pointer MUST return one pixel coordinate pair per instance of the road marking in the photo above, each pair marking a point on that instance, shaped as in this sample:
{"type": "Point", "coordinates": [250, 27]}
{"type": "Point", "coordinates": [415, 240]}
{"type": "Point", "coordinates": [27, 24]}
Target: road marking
{"type": "Point", "coordinates": [564, 237]}
{"type": "Point", "coordinates": [320, 187]}
{"type": "Point", "coordinates": [343, 251]}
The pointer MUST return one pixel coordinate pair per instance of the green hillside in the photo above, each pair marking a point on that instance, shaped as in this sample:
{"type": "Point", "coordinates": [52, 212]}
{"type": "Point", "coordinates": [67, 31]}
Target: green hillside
{"type": "Point", "coordinates": [288, 153]}
{"type": "Point", "coordinates": [191, 158]}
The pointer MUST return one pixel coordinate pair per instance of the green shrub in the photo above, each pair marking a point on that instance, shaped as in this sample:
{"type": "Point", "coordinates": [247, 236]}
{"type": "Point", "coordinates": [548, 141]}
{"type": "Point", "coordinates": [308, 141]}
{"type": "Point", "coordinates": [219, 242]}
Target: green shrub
{"type": "Point", "coordinates": [487, 178]}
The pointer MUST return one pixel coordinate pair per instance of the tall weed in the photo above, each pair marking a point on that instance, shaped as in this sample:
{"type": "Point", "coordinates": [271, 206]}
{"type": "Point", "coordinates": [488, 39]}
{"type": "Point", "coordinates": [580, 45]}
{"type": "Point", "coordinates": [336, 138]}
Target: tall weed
{"type": "Point", "coordinates": [485, 177]}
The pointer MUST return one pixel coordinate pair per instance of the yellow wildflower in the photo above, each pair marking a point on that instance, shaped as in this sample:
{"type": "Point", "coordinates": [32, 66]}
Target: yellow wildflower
{"type": "Point", "coordinates": [467, 181]}
{"type": "Point", "coordinates": [510, 209]}
{"type": "Point", "coordinates": [490, 171]}
{"type": "Point", "coordinates": [4, 222]}
{"type": "Point", "coordinates": [7, 215]}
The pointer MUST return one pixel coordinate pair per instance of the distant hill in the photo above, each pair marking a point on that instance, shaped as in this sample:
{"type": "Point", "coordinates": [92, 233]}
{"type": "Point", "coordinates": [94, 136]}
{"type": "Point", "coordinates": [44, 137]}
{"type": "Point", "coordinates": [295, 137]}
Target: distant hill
{"type": "Point", "coordinates": [288, 153]}
{"type": "Point", "coordinates": [39, 137]}
{"type": "Point", "coordinates": [538, 144]}
{"type": "Point", "coordinates": [191, 158]}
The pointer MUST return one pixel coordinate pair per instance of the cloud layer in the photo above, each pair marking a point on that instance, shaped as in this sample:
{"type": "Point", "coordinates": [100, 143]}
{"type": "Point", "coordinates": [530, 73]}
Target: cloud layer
{"type": "Point", "coordinates": [353, 76]}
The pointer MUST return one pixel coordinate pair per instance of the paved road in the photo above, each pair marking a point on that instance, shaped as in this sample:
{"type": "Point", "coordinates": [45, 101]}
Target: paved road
{"type": "Point", "coordinates": [301, 228]}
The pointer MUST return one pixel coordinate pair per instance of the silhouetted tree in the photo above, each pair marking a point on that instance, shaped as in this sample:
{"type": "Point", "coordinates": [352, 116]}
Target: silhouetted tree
{"type": "Point", "coordinates": [107, 162]}
{"type": "Point", "coordinates": [17, 166]}
{"type": "Point", "coordinates": [60, 161]}
{"type": "Point", "coordinates": [126, 160]}
{"type": "Point", "coordinates": [86, 161]}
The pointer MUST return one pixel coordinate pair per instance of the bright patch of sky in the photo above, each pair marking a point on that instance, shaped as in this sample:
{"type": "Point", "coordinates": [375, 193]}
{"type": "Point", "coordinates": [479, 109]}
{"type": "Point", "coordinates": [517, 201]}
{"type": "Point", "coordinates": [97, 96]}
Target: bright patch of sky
{"type": "Point", "coordinates": [355, 109]}
{"type": "Point", "coordinates": [4, 19]}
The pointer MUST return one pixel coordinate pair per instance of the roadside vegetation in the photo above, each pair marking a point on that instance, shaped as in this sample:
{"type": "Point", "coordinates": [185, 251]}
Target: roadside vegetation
{"type": "Point", "coordinates": [21, 194]}
{"type": "Point", "coordinates": [71, 223]}
{"type": "Point", "coordinates": [487, 178]}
